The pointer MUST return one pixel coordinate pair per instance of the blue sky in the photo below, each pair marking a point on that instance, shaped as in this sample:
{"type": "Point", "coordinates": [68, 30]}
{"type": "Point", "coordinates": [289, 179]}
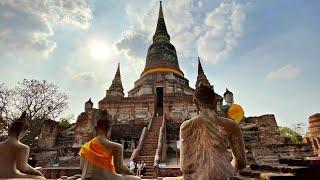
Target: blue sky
{"type": "Point", "coordinates": [266, 52]}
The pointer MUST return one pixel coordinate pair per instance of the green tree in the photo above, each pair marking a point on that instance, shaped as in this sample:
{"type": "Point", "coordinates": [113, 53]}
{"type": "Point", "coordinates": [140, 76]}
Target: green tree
{"type": "Point", "coordinates": [290, 136]}
{"type": "Point", "coordinates": [64, 122]}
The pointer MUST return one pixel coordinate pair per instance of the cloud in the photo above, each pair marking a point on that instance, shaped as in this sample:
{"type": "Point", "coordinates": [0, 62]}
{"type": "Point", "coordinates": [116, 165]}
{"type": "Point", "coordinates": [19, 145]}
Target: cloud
{"type": "Point", "coordinates": [223, 27]}
{"type": "Point", "coordinates": [286, 72]}
{"type": "Point", "coordinates": [134, 44]}
{"type": "Point", "coordinates": [85, 77]}
{"type": "Point", "coordinates": [181, 31]}
{"type": "Point", "coordinates": [194, 27]}
{"type": "Point", "coordinates": [27, 26]}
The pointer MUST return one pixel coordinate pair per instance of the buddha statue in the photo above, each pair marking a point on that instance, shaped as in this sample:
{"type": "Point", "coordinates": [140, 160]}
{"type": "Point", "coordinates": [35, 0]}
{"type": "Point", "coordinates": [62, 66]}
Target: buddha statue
{"type": "Point", "coordinates": [228, 97]}
{"type": "Point", "coordinates": [14, 154]}
{"type": "Point", "coordinates": [230, 109]}
{"type": "Point", "coordinates": [101, 158]}
{"type": "Point", "coordinates": [204, 142]}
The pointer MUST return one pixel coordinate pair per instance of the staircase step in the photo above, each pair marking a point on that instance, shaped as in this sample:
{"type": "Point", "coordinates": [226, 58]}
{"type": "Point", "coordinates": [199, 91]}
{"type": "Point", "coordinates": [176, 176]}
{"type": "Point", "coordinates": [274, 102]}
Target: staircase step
{"type": "Point", "coordinates": [146, 154]}
{"type": "Point", "coordinates": [150, 146]}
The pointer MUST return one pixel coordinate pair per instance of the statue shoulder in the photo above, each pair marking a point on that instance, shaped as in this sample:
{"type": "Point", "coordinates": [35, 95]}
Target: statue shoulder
{"type": "Point", "coordinates": [22, 149]}
{"type": "Point", "coordinates": [109, 145]}
{"type": "Point", "coordinates": [115, 146]}
{"type": "Point", "coordinates": [229, 124]}
{"type": "Point", "coordinates": [23, 146]}
{"type": "Point", "coordinates": [187, 123]}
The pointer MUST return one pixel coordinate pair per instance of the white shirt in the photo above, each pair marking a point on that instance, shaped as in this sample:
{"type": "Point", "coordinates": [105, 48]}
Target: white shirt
{"type": "Point", "coordinates": [132, 165]}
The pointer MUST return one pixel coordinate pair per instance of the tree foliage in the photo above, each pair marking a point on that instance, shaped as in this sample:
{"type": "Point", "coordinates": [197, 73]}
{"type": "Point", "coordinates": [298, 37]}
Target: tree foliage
{"type": "Point", "coordinates": [40, 99]}
{"type": "Point", "coordinates": [290, 136]}
{"type": "Point", "coordinates": [64, 122]}
{"type": "Point", "coordinates": [5, 112]}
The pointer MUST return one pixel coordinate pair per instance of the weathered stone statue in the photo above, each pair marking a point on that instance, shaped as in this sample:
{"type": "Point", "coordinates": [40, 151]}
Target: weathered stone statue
{"type": "Point", "coordinates": [103, 159]}
{"type": "Point", "coordinates": [314, 136]}
{"type": "Point", "coordinates": [204, 141]}
{"type": "Point", "coordinates": [14, 155]}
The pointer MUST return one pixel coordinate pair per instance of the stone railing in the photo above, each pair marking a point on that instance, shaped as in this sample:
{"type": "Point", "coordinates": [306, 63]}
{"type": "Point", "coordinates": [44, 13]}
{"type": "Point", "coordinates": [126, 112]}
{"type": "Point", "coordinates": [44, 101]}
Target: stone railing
{"type": "Point", "coordinates": [136, 151]}
{"type": "Point", "coordinates": [152, 119]}
{"type": "Point", "coordinates": [161, 149]}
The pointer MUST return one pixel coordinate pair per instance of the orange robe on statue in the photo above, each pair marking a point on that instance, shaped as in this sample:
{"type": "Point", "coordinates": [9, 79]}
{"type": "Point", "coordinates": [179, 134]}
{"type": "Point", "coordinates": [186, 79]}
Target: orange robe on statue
{"type": "Point", "coordinates": [96, 154]}
{"type": "Point", "coordinates": [236, 113]}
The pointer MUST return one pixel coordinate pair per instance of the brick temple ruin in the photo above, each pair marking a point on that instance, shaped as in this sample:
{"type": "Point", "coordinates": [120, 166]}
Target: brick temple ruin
{"type": "Point", "coordinates": [147, 122]}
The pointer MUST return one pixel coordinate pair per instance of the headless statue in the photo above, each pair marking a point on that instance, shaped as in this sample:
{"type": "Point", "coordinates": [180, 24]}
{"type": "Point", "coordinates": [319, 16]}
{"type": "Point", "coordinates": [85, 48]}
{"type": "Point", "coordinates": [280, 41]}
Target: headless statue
{"type": "Point", "coordinates": [14, 155]}
{"type": "Point", "coordinates": [103, 159]}
{"type": "Point", "coordinates": [204, 141]}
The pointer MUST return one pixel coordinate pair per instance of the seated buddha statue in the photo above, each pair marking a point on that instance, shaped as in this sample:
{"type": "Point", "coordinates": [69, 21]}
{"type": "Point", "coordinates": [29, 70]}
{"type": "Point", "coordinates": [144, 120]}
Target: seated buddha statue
{"type": "Point", "coordinates": [103, 159]}
{"type": "Point", "coordinates": [14, 154]}
{"type": "Point", "coordinates": [204, 142]}
{"type": "Point", "coordinates": [230, 109]}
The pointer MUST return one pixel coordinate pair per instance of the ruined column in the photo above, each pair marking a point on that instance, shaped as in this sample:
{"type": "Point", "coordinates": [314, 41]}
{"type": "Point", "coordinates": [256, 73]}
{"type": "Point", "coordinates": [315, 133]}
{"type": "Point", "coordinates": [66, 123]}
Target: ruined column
{"type": "Point", "coordinates": [314, 129]}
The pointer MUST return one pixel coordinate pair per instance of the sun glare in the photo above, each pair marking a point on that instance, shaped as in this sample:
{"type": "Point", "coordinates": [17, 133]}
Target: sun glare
{"type": "Point", "coordinates": [98, 50]}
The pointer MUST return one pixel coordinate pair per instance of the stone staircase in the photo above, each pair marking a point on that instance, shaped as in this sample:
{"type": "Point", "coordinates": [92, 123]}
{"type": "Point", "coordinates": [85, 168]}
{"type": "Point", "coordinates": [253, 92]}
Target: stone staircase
{"type": "Point", "coordinates": [149, 147]}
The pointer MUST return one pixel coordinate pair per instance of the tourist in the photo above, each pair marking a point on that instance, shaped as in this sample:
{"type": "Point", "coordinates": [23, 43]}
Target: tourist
{"type": "Point", "coordinates": [204, 139]}
{"type": "Point", "coordinates": [132, 165]}
{"type": "Point", "coordinates": [32, 161]}
{"type": "Point", "coordinates": [143, 165]}
{"type": "Point", "coordinates": [138, 168]}
{"type": "Point", "coordinates": [14, 155]}
{"type": "Point", "coordinates": [103, 159]}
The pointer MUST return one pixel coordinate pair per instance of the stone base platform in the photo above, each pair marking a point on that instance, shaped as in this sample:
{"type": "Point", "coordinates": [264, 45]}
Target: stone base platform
{"type": "Point", "coordinates": [304, 168]}
{"type": "Point", "coordinates": [58, 172]}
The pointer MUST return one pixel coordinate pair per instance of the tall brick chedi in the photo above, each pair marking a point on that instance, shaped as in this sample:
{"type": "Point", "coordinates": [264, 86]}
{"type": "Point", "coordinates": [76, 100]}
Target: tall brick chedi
{"type": "Point", "coordinates": [161, 89]}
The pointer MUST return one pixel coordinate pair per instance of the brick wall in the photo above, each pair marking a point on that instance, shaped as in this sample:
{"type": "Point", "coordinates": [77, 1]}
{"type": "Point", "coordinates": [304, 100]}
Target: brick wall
{"type": "Point", "coordinates": [49, 131]}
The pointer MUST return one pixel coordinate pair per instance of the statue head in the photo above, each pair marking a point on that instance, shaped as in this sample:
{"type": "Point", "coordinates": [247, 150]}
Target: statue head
{"type": "Point", "coordinates": [19, 128]}
{"type": "Point", "coordinates": [228, 97]}
{"type": "Point", "coordinates": [88, 105]}
{"type": "Point", "coordinates": [103, 123]}
{"type": "Point", "coordinates": [204, 97]}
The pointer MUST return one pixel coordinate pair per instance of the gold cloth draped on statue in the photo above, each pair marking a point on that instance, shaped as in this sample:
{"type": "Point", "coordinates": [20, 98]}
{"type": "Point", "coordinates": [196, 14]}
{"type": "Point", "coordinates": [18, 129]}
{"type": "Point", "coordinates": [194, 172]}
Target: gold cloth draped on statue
{"type": "Point", "coordinates": [236, 113]}
{"type": "Point", "coordinates": [96, 154]}
{"type": "Point", "coordinates": [205, 154]}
